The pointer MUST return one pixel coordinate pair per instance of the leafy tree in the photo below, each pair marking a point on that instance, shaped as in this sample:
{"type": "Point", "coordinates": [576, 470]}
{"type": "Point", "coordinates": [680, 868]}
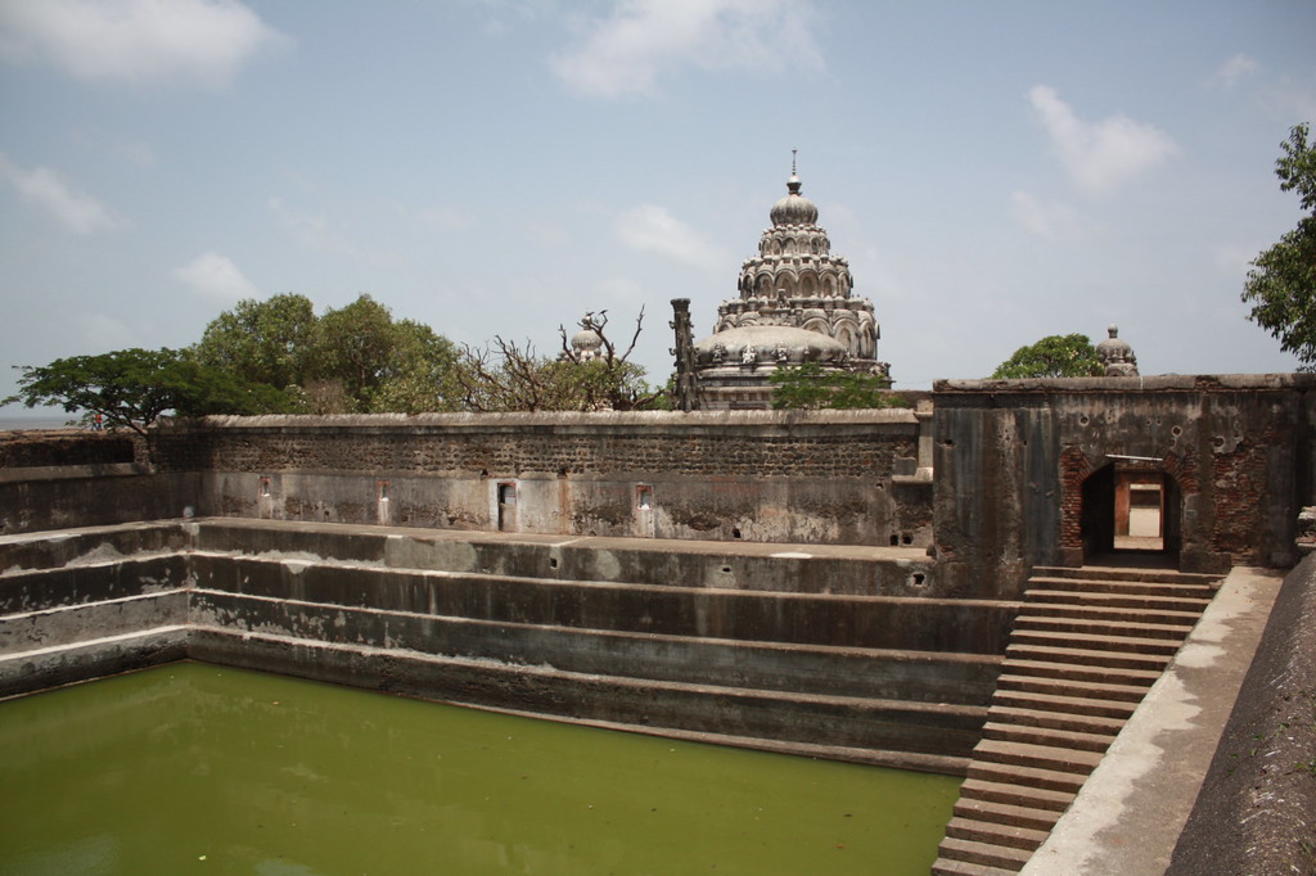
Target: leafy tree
{"type": "Point", "coordinates": [355, 358]}
{"type": "Point", "coordinates": [262, 341]}
{"type": "Point", "coordinates": [810, 386]}
{"type": "Point", "coordinates": [132, 388]}
{"type": "Point", "coordinates": [1053, 356]}
{"type": "Point", "coordinates": [1282, 283]}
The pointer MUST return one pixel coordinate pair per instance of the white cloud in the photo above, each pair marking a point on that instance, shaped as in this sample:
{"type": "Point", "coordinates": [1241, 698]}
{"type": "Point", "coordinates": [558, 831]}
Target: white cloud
{"type": "Point", "coordinates": [216, 276]}
{"type": "Point", "coordinates": [648, 228]}
{"type": "Point", "coordinates": [80, 213]}
{"type": "Point", "coordinates": [1050, 220]}
{"type": "Point", "coordinates": [1231, 71]}
{"type": "Point", "coordinates": [1101, 155]}
{"type": "Point", "coordinates": [626, 52]}
{"type": "Point", "coordinates": [134, 40]}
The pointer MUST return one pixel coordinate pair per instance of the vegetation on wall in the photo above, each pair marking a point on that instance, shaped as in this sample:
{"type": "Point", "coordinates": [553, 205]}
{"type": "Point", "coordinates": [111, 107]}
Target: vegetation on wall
{"type": "Point", "coordinates": [1052, 356]}
{"type": "Point", "coordinates": [809, 386]}
{"type": "Point", "coordinates": [1281, 287]}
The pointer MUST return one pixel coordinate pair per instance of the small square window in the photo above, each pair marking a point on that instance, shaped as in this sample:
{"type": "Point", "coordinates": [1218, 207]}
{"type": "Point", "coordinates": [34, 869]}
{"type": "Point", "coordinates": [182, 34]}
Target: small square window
{"type": "Point", "coordinates": [264, 487]}
{"type": "Point", "coordinates": [644, 497]}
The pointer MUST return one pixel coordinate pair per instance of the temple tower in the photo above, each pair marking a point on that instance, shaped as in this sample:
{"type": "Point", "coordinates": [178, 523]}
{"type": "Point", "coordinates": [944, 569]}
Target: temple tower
{"type": "Point", "coordinates": [795, 305]}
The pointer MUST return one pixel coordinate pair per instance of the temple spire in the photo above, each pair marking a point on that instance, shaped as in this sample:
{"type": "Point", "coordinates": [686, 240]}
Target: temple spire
{"type": "Point", "coordinates": [793, 184]}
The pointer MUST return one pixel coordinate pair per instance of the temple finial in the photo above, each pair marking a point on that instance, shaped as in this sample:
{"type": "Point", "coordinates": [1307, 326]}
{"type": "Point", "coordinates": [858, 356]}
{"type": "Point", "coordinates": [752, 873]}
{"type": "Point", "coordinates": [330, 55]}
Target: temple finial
{"type": "Point", "coordinates": [793, 151]}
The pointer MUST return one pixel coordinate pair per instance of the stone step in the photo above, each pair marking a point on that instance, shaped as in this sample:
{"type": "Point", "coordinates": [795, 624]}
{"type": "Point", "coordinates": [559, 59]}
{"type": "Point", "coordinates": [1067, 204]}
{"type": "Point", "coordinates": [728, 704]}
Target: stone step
{"type": "Point", "coordinates": [996, 833]}
{"type": "Point", "coordinates": [1095, 641]}
{"type": "Point", "coordinates": [1030, 777]}
{"type": "Point", "coordinates": [1127, 573]}
{"type": "Point", "coordinates": [1127, 587]}
{"type": "Point", "coordinates": [1046, 757]}
{"type": "Point", "coordinates": [948, 867]}
{"type": "Point", "coordinates": [1007, 732]}
{"type": "Point", "coordinates": [1054, 651]}
{"type": "Point", "coordinates": [937, 730]}
{"type": "Point", "coordinates": [1020, 796]}
{"type": "Point", "coordinates": [1143, 678]}
{"type": "Point", "coordinates": [1072, 688]}
{"type": "Point", "coordinates": [822, 669]}
{"type": "Point", "coordinates": [1116, 600]}
{"type": "Point", "coordinates": [1116, 628]}
{"type": "Point", "coordinates": [1127, 628]}
{"type": "Point", "coordinates": [1088, 611]}
{"type": "Point", "coordinates": [1056, 720]}
{"type": "Point", "coordinates": [1011, 860]}
{"type": "Point", "coordinates": [1006, 813]}
{"type": "Point", "coordinates": [1059, 703]}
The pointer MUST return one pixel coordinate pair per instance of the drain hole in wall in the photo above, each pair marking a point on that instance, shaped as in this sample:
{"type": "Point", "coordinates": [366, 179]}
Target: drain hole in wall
{"type": "Point", "coordinates": [484, 472]}
{"type": "Point", "coordinates": [726, 569]}
{"type": "Point", "coordinates": [906, 539]}
{"type": "Point", "coordinates": [918, 578]}
{"type": "Point", "coordinates": [735, 533]}
{"type": "Point", "coordinates": [895, 539]}
{"type": "Point", "coordinates": [552, 562]}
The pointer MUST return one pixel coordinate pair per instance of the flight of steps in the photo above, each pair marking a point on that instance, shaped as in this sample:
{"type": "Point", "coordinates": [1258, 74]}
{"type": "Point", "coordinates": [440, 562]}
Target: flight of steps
{"type": "Point", "coordinates": [1083, 651]}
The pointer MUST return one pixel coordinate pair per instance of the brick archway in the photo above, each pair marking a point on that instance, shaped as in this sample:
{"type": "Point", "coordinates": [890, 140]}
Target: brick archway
{"type": "Point", "coordinates": [1087, 504]}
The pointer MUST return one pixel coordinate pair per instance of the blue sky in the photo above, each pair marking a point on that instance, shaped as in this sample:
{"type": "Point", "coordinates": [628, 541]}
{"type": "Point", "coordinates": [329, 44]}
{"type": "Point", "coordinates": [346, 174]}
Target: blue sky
{"type": "Point", "coordinates": [994, 172]}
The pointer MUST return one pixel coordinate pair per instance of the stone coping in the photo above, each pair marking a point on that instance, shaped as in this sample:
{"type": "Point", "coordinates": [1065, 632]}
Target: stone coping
{"type": "Point", "coordinates": [599, 419]}
{"type": "Point", "coordinates": [1147, 383]}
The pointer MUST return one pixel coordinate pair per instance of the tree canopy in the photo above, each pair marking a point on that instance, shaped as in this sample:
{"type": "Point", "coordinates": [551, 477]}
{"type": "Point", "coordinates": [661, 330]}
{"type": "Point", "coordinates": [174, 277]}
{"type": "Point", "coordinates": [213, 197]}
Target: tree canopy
{"type": "Point", "coordinates": [355, 358]}
{"type": "Point", "coordinates": [809, 386]}
{"type": "Point", "coordinates": [277, 356]}
{"type": "Point", "coordinates": [132, 388]}
{"type": "Point", "coordinates": [1281, 287]}
{"type": "Point", "coordinates": [1053, 356]}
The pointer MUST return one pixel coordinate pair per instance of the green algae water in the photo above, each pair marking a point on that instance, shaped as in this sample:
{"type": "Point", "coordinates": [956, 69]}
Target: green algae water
{"type": "Point", "coordinates": [199, 769]}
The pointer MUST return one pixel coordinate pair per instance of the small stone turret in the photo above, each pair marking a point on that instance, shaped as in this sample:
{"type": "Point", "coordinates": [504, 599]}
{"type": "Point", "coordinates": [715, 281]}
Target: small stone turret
{"type": "Point", "coordinates": [1117, 355]}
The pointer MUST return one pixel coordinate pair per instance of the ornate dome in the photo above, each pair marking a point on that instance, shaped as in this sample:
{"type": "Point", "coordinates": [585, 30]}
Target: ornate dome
{"type": "Point", "coordinates": [1117, 355]}
{"type": "Point", "coordinates": [794, 209]}
{"type": "Point", "coordinates": [776, 345]}
{"type": "Point", "coordinates": [586, 344]}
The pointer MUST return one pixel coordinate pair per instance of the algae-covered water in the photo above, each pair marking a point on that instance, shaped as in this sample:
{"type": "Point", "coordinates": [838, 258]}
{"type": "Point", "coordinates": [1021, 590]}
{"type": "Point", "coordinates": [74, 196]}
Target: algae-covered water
{"type": "Point", "coordinates": [198, 769]}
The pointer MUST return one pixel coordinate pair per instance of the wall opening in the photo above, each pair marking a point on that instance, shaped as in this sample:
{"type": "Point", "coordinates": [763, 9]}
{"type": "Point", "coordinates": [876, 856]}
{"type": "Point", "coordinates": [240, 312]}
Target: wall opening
{"type": "Point", "coordinates": [507, 506]}
{"type": "Point", "coordinates": [1131, 511]}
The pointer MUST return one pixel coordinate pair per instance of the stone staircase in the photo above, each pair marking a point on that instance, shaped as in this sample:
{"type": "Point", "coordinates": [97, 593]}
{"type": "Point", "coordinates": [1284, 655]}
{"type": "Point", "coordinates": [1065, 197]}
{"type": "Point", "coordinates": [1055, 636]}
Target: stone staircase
{"type": "Point", "coordinates": [1083, 651]}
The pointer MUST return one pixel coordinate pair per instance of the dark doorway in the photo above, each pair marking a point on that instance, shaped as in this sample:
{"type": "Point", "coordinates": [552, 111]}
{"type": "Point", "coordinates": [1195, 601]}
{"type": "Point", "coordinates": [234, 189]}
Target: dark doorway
{"type": "Point", "coordinates": [1131, 513]}
{"type": "Point", "coordinates": [507, 507]}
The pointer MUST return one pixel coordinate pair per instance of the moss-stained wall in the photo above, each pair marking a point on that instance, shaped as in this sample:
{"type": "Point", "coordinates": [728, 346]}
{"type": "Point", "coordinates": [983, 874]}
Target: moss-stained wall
{"type": "Point", "coordinates": [821, 477]}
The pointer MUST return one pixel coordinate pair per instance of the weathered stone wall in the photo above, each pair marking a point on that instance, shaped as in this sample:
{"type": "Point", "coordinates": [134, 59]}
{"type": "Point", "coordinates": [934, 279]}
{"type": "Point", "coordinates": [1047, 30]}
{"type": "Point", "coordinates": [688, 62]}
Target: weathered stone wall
{"type": "Point", "coordinates": [835, 477]}
{"type": "Point", "coordinates": [61, 478]}
{"type": "Point", "coordinates": [1012, 458]}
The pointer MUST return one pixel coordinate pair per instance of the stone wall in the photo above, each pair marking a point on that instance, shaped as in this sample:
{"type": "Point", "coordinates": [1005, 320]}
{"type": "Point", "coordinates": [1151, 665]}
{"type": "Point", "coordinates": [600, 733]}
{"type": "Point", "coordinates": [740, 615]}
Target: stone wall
{"type": "Point", "coordinates": [834, 477]}
{"type": "Point", "coordinates": [61, 478]}
{"type": "Point", "coordinates": [1012, 459]}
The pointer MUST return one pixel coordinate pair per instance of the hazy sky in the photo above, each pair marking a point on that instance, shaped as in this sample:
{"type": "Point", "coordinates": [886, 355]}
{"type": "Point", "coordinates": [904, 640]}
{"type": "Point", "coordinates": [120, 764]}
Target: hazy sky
{"type": "Point", "coordinates": [995, 172]}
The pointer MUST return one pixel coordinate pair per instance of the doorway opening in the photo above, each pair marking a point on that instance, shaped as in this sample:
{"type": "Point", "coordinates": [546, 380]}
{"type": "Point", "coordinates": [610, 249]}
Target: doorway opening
{"type": "Point", "coordinates": [1131, 513]}
{"type": "Point", "coordinates": [507, 506]}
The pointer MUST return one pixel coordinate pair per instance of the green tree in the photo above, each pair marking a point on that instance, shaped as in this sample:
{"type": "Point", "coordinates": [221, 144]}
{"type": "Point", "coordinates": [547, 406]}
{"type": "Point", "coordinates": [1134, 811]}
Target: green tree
{"type": "Point", "coordinates": [1281, 287]}
{"type": "Point", "coordinates": [1053, 356]}
{"type": "Point", "coordinates": [262, 341]}
{"type": "Point", "coordinates": [132, 388]}
{"type": "Point", "coordinates": [810, 386]}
